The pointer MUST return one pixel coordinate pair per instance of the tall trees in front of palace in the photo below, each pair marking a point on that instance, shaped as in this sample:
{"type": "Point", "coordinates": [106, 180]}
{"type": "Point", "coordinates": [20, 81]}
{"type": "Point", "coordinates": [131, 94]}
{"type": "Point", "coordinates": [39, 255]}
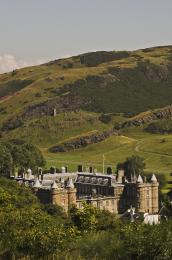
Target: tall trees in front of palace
{"type": "Point", "coordinates": [133, 166]}
{"type": "Point", "coordinates": [19, 155]}
{"type": "Point", "coordinates": [5, 161]}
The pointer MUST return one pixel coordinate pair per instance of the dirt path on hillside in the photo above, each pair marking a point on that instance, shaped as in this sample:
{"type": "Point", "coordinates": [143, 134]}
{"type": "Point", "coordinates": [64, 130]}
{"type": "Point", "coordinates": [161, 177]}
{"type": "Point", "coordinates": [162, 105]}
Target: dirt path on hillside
{"type": "Point", "coordinates": [138, 149]}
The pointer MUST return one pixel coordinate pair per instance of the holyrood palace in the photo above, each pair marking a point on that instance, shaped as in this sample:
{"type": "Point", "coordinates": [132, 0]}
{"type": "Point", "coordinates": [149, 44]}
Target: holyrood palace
{"type": "Point", "coordinates": [113, 192]}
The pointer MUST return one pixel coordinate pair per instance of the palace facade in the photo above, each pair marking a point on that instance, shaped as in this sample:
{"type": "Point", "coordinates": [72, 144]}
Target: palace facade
{"type": "Point", "coordinates": [113, 192]}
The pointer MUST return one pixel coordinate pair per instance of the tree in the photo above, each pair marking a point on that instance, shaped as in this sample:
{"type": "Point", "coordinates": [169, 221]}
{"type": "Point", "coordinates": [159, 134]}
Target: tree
{"type": "Point", "coordinates": [35, 155]}
{"type": "Point", "coordinates": [27, 230]}
{"type": "Point", "coordinates": [85, 218]}
{"type": "Point", "coordinates": [133, 165]}
{"type": "Point", "coordinates": [55, 211]}
{"type": "Point", "coordinates": [25, 155]}
{"type": "Point", "coordinates": [90, 218]}
{"type": "Point", "coordinates": [102, 245]}
{"type": "Point", "coordinates": [5, 161]}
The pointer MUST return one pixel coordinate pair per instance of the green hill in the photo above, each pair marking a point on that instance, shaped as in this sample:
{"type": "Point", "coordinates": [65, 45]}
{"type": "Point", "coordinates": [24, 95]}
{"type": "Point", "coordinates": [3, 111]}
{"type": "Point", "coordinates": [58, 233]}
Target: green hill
{"type": "Point", "coordinates": [92, 93]}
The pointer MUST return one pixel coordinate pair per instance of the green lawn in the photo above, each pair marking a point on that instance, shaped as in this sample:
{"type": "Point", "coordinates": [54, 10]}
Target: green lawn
{"type": "Point", "coordinates": [156, 153]}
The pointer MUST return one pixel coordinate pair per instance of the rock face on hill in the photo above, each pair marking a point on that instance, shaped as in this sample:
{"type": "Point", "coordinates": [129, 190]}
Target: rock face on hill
{"type": "Point", "coordinates": [148, 117]}
{"type": "Point", "coordinates": [98, 57]}
{"type": "Point", "coordinates": [61, 104]}
{"type": "Point", "coordinates": [83, 141]}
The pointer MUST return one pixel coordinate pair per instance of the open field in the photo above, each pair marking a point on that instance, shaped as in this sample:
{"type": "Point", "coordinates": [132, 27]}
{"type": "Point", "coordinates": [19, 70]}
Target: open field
{"type": "Point", "coordinates": [155, 149]}
{"type": "Point", "coordinates": [156, 152]}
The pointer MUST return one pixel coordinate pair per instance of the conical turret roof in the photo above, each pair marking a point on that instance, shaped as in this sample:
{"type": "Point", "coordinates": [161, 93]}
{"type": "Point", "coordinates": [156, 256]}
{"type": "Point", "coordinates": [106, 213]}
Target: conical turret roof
{"type": "Point", "coordinates": [139, 179]}
{"type": "Point", "coordinates": [54, 185]}
{"type": "Point", "coordinates": [29, 171]}
{"type": "Point", "coordinates": [37, 184]}
{"type": "Point", "coordinates": [70, 184]}
{"type": "Point", "coordinates": [153, 179]}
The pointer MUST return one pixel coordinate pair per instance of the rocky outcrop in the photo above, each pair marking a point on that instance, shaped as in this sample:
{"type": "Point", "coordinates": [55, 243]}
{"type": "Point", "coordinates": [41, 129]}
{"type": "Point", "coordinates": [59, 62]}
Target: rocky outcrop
{"type": "Point", "coordinates": [80, 142]}
{"type": "Point", "coordinates": [98, 57]}
{"type": "Point", "coordinates": [148, 117]}
{"type": "Point", "coordinates": [12, 124]}
{"type": "Point", "coordinates": [61, 104]}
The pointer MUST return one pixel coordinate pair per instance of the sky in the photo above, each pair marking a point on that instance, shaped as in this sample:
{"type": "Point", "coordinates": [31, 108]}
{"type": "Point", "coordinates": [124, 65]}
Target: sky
{"type": "Point", "coordinates": [36, 31]}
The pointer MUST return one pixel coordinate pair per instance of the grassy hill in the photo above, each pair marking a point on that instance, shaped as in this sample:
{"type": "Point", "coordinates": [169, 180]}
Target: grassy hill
{"type": "Point", "coordinates": [91, 93]}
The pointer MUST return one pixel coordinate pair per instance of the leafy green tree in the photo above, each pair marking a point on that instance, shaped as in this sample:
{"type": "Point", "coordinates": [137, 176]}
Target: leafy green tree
{"type": "Point", "coordinates": [90, 218]}
{"type": "Point", "coordinates": [130, 241]}
{"type": "Point", "coordinates": [27, 230]}
{"type": "Point", "coordinates": [25, 155]}
{"type": "Point", "coordinates": [148, 242]}
{"type": "Point", "coordinates": [101, 245]}
{"type": "Point", "coordinates": [85, 218]}
{"type": "Point", "coordinates": [106, 220]}
{"type": "Point", "coordinates": [34, 154]}
{"type": "Point", "coordinates": [5, 161]}
{"type": "Point", "coordinates": [132, 165]}
{"type": "Point", "coordinates": [57, 212]}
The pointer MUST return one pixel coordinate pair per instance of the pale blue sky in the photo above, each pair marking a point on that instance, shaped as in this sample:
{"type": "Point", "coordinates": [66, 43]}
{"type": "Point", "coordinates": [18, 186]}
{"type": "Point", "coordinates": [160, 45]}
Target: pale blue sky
{"type": "Point", "coordinates": [49, 29]}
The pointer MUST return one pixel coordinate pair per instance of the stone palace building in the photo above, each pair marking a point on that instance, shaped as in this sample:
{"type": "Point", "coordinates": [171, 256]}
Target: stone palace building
{"type": "Point", "coordinates": [113, 192]}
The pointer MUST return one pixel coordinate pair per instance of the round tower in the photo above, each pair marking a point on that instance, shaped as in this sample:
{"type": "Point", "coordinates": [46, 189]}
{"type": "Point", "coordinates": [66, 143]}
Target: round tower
{"type": "Point", "coordinates": [36, 186]}
{"type": "Point", "coordinates": [71, 193]}
{"type": "Point", "coordinates": [55, 194]}
{"type": "Point", "coordinates": [155, 199]}
{"type": "Point", "coordinates": [120, 175]}
{"type": "Point", "coordinates": [29, 174]}
{"type": "Point", "coordinates": [140, 195]}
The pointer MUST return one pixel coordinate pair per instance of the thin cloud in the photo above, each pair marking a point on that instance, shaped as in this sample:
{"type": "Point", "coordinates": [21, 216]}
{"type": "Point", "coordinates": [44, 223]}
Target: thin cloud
{"type": "Point", "coordinates": [9, 62]}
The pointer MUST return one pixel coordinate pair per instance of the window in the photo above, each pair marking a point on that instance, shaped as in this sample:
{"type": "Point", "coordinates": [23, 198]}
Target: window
{"type": "Point", "coordinates": [148, 203]}
{"type": "Point", "coordinates": [63, 202]}
{"type": "Point", "coordinates": [107, 203]}
{"type": "Point", "coordinates": [147, 192]}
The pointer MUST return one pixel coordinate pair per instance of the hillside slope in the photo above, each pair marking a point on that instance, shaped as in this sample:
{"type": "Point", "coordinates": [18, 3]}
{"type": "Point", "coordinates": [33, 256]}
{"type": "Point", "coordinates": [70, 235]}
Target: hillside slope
{"type": "Point", "coordinates": [92, 93]}
{"type": "Point", "coordinates": [109, 82]}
